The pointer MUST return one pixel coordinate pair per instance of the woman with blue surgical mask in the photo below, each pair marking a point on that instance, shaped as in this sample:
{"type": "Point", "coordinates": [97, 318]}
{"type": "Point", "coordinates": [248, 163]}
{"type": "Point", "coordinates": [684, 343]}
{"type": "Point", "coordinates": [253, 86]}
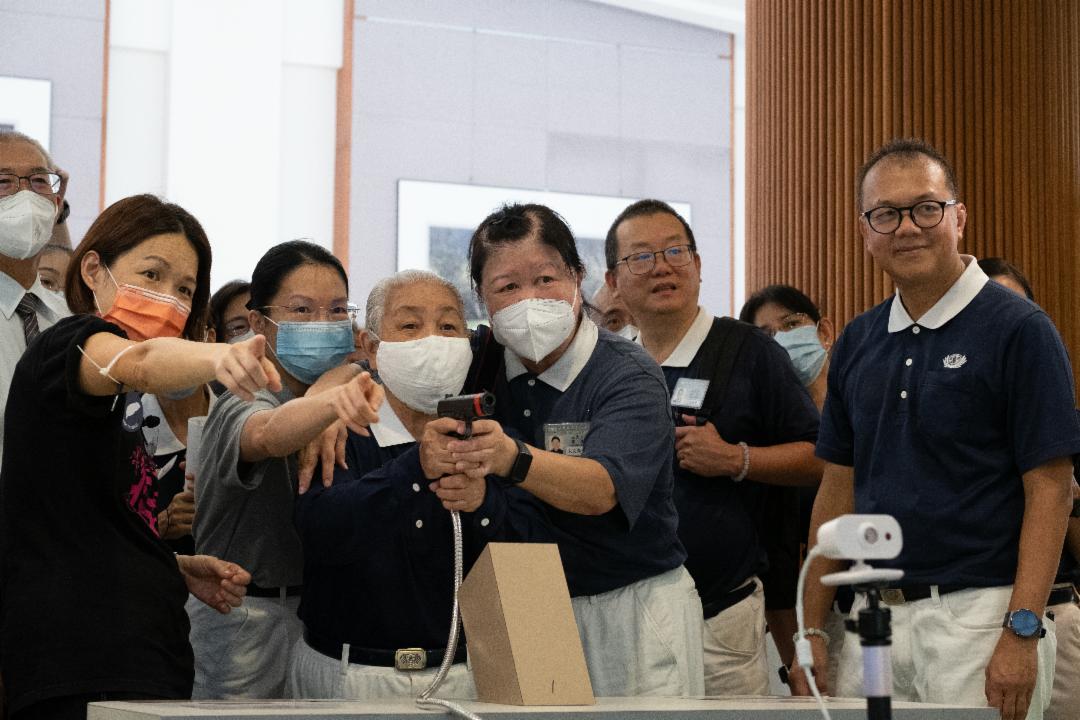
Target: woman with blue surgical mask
{"type": "Point", "coordinates": [795, 322]}
{"type": "Point", "coordinates": [247, 481]}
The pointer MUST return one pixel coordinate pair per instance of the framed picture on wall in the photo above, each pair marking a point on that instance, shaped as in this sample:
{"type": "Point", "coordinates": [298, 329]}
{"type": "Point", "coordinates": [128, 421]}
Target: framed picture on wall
{"type": "Point", "coordinates": [436, 221]}
{"type": "Point", "coordinates": [25, 106]}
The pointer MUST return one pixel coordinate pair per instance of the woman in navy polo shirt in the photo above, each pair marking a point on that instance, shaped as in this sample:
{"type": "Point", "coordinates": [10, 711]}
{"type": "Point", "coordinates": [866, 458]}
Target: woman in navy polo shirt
{"type": "Point", "coordinates": [608, 494]}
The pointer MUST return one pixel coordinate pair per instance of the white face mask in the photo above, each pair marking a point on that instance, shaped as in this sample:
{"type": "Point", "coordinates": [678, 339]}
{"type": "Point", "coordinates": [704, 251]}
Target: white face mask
{"type": "Point", "coordinates": [422, 372]}
{"type": "Point", "coordinates": [628, 331]}
{"type": "Point", "coordinates": [534, 327]}
{"type": "Point", "coordinates": [26, 224]}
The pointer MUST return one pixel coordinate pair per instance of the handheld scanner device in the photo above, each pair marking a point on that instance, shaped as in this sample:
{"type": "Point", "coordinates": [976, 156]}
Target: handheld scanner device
{"type": "Point", "coordinates": [467, 408]}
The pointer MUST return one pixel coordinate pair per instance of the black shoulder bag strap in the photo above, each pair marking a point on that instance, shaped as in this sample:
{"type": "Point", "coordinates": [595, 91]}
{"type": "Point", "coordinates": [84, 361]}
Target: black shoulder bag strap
{"type": "Point", "coordinates": [487, 361]}
{"type": "Point", "coordinates": [718, 354]}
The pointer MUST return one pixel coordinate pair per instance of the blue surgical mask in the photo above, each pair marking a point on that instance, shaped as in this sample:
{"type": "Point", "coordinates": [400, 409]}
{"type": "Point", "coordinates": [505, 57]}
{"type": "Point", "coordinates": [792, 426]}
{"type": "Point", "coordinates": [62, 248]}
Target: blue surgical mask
{"type": "Point", "coordinates": [241, 338]}
{"type": "Point", "coordinates": [805, 350]}
{"type": "Point", "coordinates": [308, 349]}
{"type": "Point", "coordinates": [182, 393]}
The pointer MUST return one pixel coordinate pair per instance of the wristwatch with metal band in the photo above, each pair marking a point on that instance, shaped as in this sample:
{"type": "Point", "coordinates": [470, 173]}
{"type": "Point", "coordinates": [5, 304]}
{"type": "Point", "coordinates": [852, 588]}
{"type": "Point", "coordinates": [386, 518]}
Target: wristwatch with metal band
{"type": "Point", "coordinates": [1024, 623]}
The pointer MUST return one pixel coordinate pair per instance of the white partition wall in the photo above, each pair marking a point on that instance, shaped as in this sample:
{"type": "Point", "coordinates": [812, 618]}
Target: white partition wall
{"type": "Point", "coordinates": [63, 43]}
{"type": "Point", "coordinates": [561, 95]}
{"type": "Point", "coordinates": [227, 107]}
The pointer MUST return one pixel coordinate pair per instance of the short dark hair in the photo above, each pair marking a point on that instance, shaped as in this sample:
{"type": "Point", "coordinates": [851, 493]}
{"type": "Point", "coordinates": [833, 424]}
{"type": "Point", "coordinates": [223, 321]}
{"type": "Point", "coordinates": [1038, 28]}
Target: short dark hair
{"type": "Point", "coordinates": [515, 222]}
{"type": "Point", "coordinates": [65, 210]}
{"type": "Point", "coordinates": [220, 300]}
{"type": "Point", "coordinates": [280, 260]}
{"type": "Point", "coordinates": [995, 266]}
{"type": "Point", "coordinates": [785, 296]}
{"type": "Point", "coordinates": [639, 209]}
{"type": "Point", "coordinates": [907, 149]}
{"type": "Point", "coordinates": [124, 225]}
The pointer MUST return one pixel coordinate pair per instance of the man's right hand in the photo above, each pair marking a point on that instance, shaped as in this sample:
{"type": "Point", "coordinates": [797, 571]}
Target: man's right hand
{"type": "Point", "coordinates": [435, 456]}
{"type": "Point", "coordinates": [797, 676]}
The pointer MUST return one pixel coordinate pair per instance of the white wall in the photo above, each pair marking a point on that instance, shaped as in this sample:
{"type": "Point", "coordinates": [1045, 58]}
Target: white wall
{"type": "Point", "coordinates": [562, 95]}
{"type": "Point", "coordinates": [63, 42]}
{"type": "Point", "coordinates": [228, 107]}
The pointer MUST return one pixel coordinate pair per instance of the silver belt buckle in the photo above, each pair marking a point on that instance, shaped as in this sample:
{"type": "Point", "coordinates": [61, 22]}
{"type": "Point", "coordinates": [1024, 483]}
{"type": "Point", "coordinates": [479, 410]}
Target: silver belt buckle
{"type": "Point", "coordinates": [892, 596]}
{"type": "Point", "coordinates": [409, 659]}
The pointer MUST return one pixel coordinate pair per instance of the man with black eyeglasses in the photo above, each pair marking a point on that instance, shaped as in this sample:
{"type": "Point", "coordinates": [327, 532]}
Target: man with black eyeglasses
{"type": "Point", "coordinates": [949, 407]}
{"type": "Point", "coordinates": [745, 423]}
{"type": "Point", "coordinates": [31, 192]}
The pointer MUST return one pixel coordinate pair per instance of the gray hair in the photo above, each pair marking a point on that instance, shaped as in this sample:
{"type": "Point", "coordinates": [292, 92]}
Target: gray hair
{"type": "Point", "coordinates": [376, 301]}
{"type": "Point", "coordinates": [14, 136]}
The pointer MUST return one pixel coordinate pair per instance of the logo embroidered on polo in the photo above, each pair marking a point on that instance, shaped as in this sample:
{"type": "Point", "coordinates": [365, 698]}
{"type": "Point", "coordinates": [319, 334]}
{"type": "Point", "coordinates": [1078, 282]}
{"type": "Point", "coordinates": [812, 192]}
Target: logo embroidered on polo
{"type": "Point", "coordinates": [954, 361]}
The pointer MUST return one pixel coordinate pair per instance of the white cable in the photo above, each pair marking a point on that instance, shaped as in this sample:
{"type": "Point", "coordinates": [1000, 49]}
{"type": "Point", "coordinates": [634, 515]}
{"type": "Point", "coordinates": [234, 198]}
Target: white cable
{"type": "Point", "coordinates": [425, 700]}
{"type": "Point", "coordinates": [803, 651]}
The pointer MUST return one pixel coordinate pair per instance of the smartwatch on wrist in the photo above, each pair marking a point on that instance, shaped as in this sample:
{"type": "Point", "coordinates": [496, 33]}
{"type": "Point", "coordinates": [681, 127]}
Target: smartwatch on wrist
{"type": "Point", "coordinates": [522, 463]}
{"type": "Point", "coordinates": [1024, 623]}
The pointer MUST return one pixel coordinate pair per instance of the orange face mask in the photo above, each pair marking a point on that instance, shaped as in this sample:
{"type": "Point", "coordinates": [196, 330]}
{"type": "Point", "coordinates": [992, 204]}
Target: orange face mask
{"type": "Point", "coordinates": [144, 314]}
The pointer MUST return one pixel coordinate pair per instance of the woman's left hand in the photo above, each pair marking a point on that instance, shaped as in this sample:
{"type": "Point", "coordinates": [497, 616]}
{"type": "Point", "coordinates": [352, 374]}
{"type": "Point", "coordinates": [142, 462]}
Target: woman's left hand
{"type": "Point", "coordinates": [489, 451]}
{"type": "Point", "coordinates": [220, 584]}
{"type": "Point", "coordinates": [175, 520]}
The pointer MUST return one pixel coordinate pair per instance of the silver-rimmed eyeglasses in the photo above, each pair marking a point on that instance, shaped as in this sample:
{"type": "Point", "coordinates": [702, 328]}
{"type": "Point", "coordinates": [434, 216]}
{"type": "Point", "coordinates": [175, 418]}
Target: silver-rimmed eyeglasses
{"type": "Point", "coordinates": [640, 263]}
{"type": "Point", "coordinates": [43, 183]}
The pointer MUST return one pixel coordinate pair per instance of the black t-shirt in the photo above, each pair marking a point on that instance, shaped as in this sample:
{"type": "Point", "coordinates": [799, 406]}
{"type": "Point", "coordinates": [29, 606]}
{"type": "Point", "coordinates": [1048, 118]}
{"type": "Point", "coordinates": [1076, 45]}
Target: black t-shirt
{"type": "Point", "coordinates": [720, 521]}
{"type": "Point", "coordinates": [93, 600]}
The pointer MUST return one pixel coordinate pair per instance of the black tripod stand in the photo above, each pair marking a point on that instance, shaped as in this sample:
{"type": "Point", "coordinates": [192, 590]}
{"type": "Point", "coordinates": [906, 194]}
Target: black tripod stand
{"type": "Point", "coordinates": [875, 636]}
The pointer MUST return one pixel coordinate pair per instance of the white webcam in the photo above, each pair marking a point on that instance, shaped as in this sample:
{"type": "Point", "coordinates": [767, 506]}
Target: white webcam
{"type": "Point", "coordinates": [861, 537]}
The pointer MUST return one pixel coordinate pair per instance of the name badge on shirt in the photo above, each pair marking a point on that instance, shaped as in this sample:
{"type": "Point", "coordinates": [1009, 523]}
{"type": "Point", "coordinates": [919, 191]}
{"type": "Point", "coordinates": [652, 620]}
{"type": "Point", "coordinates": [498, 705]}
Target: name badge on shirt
{"type": "Point", "coordinates": [689, 393]}
{"type": "Point", "coordinates": [565, 438]}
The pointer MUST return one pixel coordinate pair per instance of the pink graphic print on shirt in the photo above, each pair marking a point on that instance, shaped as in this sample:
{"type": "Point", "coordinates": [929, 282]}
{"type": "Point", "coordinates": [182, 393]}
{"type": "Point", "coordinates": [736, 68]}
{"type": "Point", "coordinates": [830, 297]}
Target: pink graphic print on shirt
{"type": "Point", "coordinates": [143, 495]}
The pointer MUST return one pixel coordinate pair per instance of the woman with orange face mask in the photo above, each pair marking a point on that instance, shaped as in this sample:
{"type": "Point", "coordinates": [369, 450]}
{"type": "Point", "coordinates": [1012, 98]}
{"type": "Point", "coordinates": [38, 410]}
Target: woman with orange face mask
{"type": "Point", "coordinates": [93, 599]}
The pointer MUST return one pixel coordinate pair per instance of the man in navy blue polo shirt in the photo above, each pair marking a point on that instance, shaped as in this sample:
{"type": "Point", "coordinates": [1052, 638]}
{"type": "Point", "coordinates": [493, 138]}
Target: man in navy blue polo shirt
{"type": "Point", "coordinates": [757, 423]}
{"type": "Point", "coordinates": [949, 407]}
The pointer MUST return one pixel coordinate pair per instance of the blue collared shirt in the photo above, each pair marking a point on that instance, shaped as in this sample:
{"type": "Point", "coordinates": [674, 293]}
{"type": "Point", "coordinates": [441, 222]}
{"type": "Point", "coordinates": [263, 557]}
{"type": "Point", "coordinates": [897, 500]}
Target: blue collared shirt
{"type": "Point", "coordinates": [378, 544]}
{"type": "Point", "coordinates": [941, 417]}
{"type": "Point", "coordinates": [614, 386]}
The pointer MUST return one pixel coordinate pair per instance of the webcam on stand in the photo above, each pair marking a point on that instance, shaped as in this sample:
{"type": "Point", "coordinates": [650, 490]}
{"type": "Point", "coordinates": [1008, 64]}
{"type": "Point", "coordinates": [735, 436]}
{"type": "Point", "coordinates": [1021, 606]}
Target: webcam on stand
{"type": "Point", "coordinates": [861, 538]}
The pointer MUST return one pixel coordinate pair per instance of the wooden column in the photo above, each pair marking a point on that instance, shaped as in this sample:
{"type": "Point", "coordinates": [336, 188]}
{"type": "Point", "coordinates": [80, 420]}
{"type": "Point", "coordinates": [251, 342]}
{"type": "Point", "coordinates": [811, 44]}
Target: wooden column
{"type": "Point", "coordinates": [994, 85]}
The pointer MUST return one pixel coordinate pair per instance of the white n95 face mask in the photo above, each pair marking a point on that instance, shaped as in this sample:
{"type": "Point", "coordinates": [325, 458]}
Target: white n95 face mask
{"type": "Point", "coordinates": [422, 372]}
{"type": "Point", "coordinates": [534, 327]}
{"type": "Point", "coordinates": [26, 224]}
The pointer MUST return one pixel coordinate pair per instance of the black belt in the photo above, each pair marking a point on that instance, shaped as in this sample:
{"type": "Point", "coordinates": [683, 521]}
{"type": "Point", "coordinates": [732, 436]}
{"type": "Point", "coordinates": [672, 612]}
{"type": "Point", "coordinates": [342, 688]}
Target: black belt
{"type": "Point", "coordinates": [254, 590]}
{"type": "Point", "coordinates": [1062, 595]}
{"type": "Point", "coordinates": [911, 593]}
{"type": "Point", "coordinates": [715, 607]}
{"type": "Point", "coordinates": [380, 658]}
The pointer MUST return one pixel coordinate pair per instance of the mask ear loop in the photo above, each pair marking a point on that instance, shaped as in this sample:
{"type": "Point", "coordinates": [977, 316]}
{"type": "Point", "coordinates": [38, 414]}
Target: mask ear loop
{"type": "Point", "coordinates": [107, 370]}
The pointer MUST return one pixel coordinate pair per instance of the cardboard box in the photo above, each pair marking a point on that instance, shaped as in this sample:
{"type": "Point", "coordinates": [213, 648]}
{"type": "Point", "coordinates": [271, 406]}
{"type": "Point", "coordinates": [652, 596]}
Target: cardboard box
{"type": "Point", "coordinates": [523, 641]}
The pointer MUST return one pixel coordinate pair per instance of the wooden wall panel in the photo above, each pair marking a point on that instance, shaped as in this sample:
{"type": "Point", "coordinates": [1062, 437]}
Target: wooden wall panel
{"type": "Point", "coordinates": [993, 84]}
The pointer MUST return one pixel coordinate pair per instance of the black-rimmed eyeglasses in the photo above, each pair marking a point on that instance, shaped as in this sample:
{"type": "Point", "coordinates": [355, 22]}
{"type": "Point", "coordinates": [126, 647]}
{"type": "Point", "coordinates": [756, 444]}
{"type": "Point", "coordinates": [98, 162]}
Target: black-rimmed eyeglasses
{"type": "Point", "coordinates": [926, 214]}
{"type": "Point", "coordinates": [640, 263]}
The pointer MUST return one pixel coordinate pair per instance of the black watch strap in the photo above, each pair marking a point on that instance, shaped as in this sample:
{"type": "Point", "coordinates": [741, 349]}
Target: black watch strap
{"type": "Point", "coordinates": [522, 463]}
